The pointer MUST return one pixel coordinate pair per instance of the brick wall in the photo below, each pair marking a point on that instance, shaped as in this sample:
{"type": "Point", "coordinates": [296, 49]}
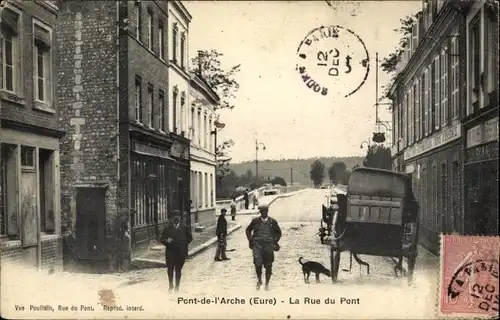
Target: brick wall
{"type": "Point", "coordinates": [87, 101]}
{"type": "Point", "coordinates": [19, 107]}
{"type": "Point", "coordinates": [11, 253]}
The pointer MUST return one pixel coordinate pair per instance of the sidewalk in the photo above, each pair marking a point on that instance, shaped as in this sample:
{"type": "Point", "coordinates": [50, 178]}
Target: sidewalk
{"type": "Point", "coordinates": [155, 256]}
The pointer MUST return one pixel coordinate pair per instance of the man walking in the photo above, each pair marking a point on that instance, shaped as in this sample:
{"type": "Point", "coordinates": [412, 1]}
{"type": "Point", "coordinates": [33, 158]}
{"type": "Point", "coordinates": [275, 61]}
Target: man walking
{"type": "Point", "coordinates": [176, 237]}
{"type": "Point", "coordinates": [233, 209]}
{"type": "Point", "coordinates": [246, 199]}
{"type": "Point", "coordinates": [221, 233]}
{"type": "Point", "coordinates": [263, 234]}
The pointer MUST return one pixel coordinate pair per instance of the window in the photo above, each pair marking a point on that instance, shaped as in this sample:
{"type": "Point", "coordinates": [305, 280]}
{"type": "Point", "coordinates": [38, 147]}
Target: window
{"type": "Point", "coordinates": [138, 100]}
{"type": "Point", "coordinates": [138, 17]}
{"type": "Point", "coordinates": [150, 30]}
{"type": "Point", "coordinates": [405, 119]}
{"type": "Point", "coordinates": [437, 100]}
{"type": "Point", "coordinates": [161, 35]}
{"type": "Point", "coordinates": [206, 190]}
{"type": "Point", "coordinates": [414, 35]}
{"type": "Point", "coordinates": [174, 41]}
{"type": "Point", "coordinates": [456, 185]}
{"type": "Point", "coordinates": [10, 51]}
{"type": "Point", "coordinates": [28, 157]}
{"type": "Point", "coordinates": [417, 91]}
{"type": "Point", "coordinates": [205, 132]}
{"type": "Point", "coordinates": [395, 121]}
{"type": "Point", "coordinates": [490, 51]}
{"type": "Point", "coordinates": [210, 141]}
{"type": "Point", "coordinates": [199, 134]}
{"type": "Point", "coordinates": [192, 130]}
{"type": "Point", "coordinates": [183, 49]}
{"type": "Point", "coordinates": [410, 115]}
{"type": "Point", "coordinates": [175, 93]}
{"type": "Point", "coordinates": [200, 190]}
{"type": "Point", "coordinates": [42, 63]}
{"type": "Point", "coordinates": [423, 104]}
{"type": "Point", "coordinates": [444, 86]}
{"type": "Point", "coordinates": [474, 66]}
{"type": "Point", "coordinates": [47, 192]}
{"type": "Point", "coordinates": [150, 105]}
{"type": "Point", "coordinates": [211, 190]}
{"type": "Point", "coordinates": [183, 112]}
{"type": "Point", "coordinates": [163, 112]}
{"type": "Point", "coordinates": [455, 78]}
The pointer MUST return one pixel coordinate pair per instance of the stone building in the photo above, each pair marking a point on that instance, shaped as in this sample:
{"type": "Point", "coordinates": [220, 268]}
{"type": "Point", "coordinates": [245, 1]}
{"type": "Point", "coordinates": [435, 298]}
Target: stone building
{"type": "Point", "coordinates": [429, 99]}
{"type": "Point", "coordinates": [119, 154]}
{"type": "Point", "coordinates": [30, 228]}
{"type": "Point", "coordinates": [480, 119]}
{"type": "Point", "coordinates": [203, 163]}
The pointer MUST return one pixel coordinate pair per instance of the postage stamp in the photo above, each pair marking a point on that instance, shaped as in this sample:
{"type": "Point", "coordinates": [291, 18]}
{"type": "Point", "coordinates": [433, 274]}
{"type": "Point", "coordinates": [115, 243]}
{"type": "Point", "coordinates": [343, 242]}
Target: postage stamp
{"type": "Point", "coordinates": [469, 276]}
{"type": "Point", "coordinates": [333, 60]}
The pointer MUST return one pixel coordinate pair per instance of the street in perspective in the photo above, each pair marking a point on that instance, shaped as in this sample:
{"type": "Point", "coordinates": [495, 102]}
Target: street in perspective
{"type": "Point", "coordinates": [259, 159]}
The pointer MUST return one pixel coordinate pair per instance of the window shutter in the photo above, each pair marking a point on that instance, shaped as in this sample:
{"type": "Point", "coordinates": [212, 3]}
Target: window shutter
{"type": "Point", "coordinates": [10, 21]}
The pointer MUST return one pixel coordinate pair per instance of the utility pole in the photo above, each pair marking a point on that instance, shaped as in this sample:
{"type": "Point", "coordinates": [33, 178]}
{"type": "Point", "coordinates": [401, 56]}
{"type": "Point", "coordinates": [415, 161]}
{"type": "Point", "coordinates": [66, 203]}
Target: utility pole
{"type": "Point", "coordinates": [291, 176]}
{"type": "Point", "coordinates": [257, 145]}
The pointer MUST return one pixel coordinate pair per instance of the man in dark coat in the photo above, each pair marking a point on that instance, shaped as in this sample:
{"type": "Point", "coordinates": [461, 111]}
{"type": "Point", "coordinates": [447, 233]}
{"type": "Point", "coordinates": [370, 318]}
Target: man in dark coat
{"type": "Point", "coordinates": [263, 234]}
{"type": "Point", "coordinates": [176, 237]}
{"type": "Point", "coordinates": [246, 198]}
{"type": "Point", "coordinates": [221, 233]}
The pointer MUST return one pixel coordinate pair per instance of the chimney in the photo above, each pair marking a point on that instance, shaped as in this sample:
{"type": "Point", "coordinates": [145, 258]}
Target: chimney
{"type": "Point", "coordinates": [200, 58]}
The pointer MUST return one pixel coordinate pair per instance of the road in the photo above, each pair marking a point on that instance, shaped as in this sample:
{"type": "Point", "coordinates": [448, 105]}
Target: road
{"type": "Point", "coordinates": [378, 295]}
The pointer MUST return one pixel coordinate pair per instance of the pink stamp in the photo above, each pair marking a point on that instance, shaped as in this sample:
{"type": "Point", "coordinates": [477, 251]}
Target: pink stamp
{"type": "Point", "coordinates": [469, 275]}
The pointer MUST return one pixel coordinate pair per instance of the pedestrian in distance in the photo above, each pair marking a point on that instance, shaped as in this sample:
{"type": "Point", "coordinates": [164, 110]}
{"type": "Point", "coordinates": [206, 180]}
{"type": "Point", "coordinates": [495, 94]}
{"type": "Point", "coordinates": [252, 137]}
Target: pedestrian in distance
{"type": "Point", "coordinates": [233, 209]}
{"type": "Point", "coordinates": [221, 233]}
{"type": "Point", "coordinates": [263, 234]}
{"type": "Point", "coordinates": [255, 200]}
{"type": "Point", "coordinates": [122, 238]}
{"type": "Point", "coordinates": [246, 199]}
{"type": "Point", "coordinates": [176, 237]}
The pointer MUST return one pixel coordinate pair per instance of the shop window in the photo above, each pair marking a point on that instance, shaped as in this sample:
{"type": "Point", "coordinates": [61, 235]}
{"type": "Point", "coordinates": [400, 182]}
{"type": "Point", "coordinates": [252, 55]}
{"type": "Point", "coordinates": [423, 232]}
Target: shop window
{"type": "Point", "coordinates": [455, 212]}
{"type": "Point", "coordinates": [47, 191]}
{"type": "Point", "coordinates": [446, 224]}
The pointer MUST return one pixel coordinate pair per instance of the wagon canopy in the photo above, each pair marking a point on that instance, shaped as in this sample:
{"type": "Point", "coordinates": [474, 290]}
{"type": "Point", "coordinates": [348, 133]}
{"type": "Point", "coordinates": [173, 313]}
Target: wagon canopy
{"type": "Point", "coordinates": [378, 182]}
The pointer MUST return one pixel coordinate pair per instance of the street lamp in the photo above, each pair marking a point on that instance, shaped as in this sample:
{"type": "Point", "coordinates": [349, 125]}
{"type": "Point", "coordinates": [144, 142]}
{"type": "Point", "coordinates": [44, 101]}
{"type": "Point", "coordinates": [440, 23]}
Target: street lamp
{"type": "Point", "coordinates": [218, 126]}
{"type": "Point", "coordinates": [257, 145]}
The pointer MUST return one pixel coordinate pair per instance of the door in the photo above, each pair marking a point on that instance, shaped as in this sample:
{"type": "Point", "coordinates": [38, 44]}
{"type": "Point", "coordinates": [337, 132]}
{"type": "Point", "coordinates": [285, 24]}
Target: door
{"type": "Point", "coordinates": [90, 223]}
{"type": "Point", "coordinates": [29, 221]}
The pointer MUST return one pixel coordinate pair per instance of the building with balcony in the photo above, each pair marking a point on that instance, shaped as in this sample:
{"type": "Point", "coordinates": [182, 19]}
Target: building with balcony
{"type": "Point", "coordinates": [203, 162]}
{"type": "Point", "coordinates": [120, 163]}
{"type": "Point", "coordinates": [480, 119]}
{"type": "Point", "coordinates": [429, 100]}
{"type": "Point", "coordinates": [30, 219]}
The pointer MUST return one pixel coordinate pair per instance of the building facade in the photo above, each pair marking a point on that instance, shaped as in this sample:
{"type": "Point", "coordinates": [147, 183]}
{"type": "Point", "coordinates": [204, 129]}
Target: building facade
{"type": "Point", "coordinates": [428, 101]}
{"type": "Point", "coordinates": [30, 220]}
{"type": "Point", "coordinates": [121, 163]}
{"type": "Point", "coordinates": [178, 73]}
{"type": "Point", "coordinates": [202, 117]}
{"type": "Point", "coordinates": [481, 114]}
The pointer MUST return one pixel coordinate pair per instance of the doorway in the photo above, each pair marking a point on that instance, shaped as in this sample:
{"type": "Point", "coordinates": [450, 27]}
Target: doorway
{"type": "Point", "coordinates": [91, 223]}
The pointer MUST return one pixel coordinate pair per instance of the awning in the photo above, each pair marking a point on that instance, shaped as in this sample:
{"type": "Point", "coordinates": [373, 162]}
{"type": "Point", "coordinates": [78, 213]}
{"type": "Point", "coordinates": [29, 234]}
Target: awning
{"type": "Point", "coordinates": [10, 21]}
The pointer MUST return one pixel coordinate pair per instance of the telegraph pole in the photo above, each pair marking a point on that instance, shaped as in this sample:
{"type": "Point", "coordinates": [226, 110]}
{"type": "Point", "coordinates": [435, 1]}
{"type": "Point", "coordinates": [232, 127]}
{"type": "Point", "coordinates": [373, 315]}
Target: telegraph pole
{"type": "Point", "coordinates": [291, 176]}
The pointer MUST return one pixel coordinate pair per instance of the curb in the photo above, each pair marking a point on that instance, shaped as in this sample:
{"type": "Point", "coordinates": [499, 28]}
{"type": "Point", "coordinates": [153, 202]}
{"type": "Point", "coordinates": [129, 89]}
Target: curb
{"type": "Point", "coordinates": [142, 263]}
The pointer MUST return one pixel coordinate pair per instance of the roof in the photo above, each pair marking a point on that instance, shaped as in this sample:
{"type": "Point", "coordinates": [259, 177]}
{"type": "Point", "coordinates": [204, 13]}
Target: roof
{"type": "Point", "coordinates": [375, 170]}
{"type": "Point", "coordinates": [201, 85]}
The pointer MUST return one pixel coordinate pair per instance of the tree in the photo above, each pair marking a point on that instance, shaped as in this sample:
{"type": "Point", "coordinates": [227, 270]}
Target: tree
{"type": "Point", "coordinates": [279, 180]}
{"type": "Point", "coordinates": [221, 81]}
{"type": "Point", "coordinates": [336, 171]}
{"type": "Point", "coordinates": [389, 63]}
{"type": "Point", "coordinates": [378, 156]}
{"type": "Point", "coordinates": [317, 173]}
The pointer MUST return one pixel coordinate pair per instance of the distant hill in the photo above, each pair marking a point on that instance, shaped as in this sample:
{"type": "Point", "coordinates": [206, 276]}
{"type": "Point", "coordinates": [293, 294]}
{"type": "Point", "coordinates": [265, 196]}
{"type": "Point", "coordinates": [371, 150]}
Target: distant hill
{"type": "Point", "coordinates": [300, 167]}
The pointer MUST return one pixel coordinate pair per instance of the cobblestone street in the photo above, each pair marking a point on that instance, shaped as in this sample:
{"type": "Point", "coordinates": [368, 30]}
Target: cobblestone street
{"type": "Point", "coordinates": [299, 219]}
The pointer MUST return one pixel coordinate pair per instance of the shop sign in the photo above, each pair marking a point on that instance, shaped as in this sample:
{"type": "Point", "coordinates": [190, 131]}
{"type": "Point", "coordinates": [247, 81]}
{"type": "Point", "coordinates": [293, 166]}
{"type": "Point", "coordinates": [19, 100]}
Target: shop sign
{"type": "Point", "coordinates": [439, 139]}
{"type": "Point", "coordinates": [179, 150]}
{"type": "Point", "coordinates": [483, 152]}
{"type": "Point", "coordinates": [150, 150]}
{"type": "Point", "coordinates": [482, 133]}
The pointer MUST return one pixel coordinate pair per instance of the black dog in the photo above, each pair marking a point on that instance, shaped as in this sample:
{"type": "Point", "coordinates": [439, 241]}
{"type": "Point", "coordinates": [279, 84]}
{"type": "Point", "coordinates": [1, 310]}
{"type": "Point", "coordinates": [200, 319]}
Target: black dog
{"type": "Point", "coordinates": [313, 266]}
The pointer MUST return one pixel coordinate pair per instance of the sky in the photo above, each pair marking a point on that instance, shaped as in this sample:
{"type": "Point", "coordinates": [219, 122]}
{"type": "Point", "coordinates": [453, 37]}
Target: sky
{"type": "Point", "coordinates": [273, 104]}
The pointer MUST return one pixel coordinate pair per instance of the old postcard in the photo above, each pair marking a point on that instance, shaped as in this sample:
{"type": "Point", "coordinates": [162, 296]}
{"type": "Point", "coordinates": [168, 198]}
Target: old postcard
{"type": "Point", "coordinates": [249, 159]}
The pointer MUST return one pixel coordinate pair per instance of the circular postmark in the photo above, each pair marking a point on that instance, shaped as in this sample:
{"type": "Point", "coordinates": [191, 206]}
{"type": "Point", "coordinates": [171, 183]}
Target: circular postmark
{"type": "Point", "coordinates": [477, 284]}
{"type": "Point", "coordinates": [333, 60]}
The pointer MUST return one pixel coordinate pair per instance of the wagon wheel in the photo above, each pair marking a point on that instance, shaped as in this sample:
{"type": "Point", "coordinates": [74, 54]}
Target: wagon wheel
{"type": "Point", "coordinates": [335, 263]}
{"type": "Point", "coordinates": [412, 253]}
